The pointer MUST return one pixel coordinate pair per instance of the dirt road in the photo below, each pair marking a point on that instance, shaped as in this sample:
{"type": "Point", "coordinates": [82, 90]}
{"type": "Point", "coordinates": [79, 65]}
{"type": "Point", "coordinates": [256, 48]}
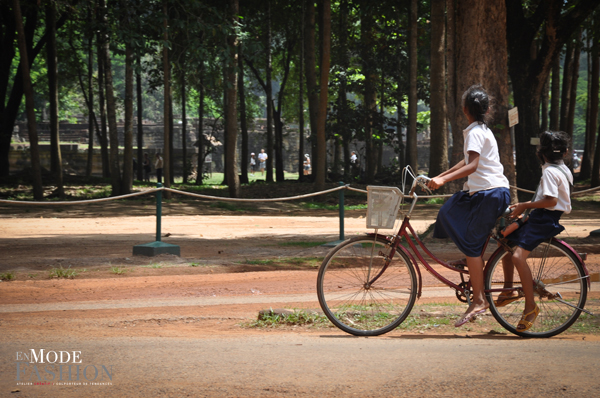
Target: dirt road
{"type": "Point", "coordinates": [171, 326]}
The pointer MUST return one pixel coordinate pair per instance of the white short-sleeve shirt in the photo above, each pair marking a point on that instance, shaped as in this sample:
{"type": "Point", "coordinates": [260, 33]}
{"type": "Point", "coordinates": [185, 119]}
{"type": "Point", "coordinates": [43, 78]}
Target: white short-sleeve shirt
{"type": "Point", "coordinates": [490, 172]}
{"type": "Point", "coordinates": [556, 184]}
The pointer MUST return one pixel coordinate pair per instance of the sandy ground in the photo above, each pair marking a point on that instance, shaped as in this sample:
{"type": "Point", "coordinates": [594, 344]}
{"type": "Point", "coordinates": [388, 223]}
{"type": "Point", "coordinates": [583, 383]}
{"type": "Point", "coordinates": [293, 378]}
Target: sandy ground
{"type": "Point", "coordinates": [171, 326]}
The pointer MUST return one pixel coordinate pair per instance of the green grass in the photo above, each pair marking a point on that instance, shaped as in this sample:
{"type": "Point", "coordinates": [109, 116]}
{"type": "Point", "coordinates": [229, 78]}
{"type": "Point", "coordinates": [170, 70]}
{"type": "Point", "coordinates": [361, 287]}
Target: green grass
{"type": "Point", "coordinates": [435, 201]}
{"type": "Point", "coordinates": [66, 273]}
{"type": "Point", "coordinates": [7, 276]}
{"type": "Point", "coordinates": [324, 206]}
{"type": "Point", "coordinates": [118, 270]}
{"type": "Point", "coordinates": [298, 318]}
{"type": "Point", "coordinates": [305, 262]}
{"type": "Point", "coordinates": [217, 178]}
{"type": "Point", "coordinates": [226, 206]}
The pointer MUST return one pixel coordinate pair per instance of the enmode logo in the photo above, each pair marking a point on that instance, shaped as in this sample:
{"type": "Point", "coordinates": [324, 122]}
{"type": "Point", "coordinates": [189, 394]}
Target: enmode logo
{"type": "Point", "coordinates": [41, 367]}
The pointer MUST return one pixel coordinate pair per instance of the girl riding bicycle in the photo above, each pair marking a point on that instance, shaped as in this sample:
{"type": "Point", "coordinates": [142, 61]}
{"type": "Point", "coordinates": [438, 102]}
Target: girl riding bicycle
{"type": "Point", "coordinates": [469, 215]}
{"type": "Point", "coordinates": [551, 200]}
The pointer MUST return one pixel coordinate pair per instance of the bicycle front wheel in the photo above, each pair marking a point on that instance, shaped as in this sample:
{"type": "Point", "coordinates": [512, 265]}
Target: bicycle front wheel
{"type": "Point", "coordinates": [359, 293]}
{"type": "Point", "coordinates": [560, 290]}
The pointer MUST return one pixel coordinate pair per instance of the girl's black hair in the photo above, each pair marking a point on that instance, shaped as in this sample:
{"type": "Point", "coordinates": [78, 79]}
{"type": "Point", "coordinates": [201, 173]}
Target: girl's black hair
{"type": "Point", "coordinates": [477, 102]}
{"type": "Point", "coordinates": [553, 146]}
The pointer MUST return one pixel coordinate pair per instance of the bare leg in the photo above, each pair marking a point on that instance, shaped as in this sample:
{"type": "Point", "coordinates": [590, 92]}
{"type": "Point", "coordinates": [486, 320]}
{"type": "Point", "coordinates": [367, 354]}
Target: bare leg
{"type": "Point", "coordinates": [475, 265]}
{"type": "Point", "coordinates": [519, 259]}
{"type": "Point", "coordinates": [509, 269]}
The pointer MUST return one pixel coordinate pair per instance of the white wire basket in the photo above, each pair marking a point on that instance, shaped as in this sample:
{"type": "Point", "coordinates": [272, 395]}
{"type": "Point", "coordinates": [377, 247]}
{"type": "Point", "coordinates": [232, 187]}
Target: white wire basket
{"type": "Point", "coordinates": [382, 206]}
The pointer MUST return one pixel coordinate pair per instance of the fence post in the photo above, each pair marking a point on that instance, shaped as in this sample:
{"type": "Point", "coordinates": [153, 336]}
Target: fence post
{"type": "Point", "coordinates": [341, 205]}
{"type": "Point", "coordinates": [158, 211]}
{"type": "Point", "coordinates": [157, 247]}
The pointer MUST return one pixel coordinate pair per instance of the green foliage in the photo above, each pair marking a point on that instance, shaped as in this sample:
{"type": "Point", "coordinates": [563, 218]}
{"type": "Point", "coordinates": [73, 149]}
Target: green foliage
{"type": "Point", "coordinates": [297, 318]}
{"type": "Point", "coordinates": [66, 273]}
{"type": "Point", "coordinates": [118, 270]}
{"type": "Point", "coordinates": [7, 276]}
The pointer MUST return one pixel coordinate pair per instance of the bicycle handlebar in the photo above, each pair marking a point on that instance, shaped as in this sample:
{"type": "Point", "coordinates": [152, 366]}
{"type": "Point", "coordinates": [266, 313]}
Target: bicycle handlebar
{"type": "Point", "coordinates": [421, 181]}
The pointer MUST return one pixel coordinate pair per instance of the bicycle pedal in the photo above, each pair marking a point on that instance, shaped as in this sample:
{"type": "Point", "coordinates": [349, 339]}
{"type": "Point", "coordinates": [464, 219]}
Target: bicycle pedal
{"type": "Point", "coordinates": [473, 318]}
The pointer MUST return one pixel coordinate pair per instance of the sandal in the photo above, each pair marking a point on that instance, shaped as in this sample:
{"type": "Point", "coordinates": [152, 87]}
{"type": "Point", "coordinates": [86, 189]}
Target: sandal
{"type": "Point", "coordinates": [504, 300]}
{"type": "Point", "coordinates": [468, 317]}
{"type": "Point", "coordinates": [524, 325]}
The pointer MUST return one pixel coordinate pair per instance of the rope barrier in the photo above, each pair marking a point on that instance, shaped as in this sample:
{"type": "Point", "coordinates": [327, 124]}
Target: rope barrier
{"type": "Point", "coordinates": [130, 195]}
{"type": "Point", "coordinates": [200, 196]}
{"type": "Point", "coordinates": [209, 197]}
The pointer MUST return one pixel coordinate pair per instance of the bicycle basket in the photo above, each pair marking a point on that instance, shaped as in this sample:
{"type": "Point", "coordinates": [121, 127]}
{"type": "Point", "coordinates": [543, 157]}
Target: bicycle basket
{"type": "Point", "coordinates": [382, 206]}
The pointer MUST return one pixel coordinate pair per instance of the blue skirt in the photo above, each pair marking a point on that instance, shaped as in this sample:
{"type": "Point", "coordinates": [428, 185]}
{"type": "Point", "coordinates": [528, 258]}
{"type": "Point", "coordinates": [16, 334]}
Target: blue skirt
{"type": "Point", "coordinates": [468, 219]}
{"type": "Point", "coordinates": [541, 225]}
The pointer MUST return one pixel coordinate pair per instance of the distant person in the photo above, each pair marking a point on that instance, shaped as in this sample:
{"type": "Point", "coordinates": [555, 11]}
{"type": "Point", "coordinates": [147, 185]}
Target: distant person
{"type": "Point", "coordinates": [262, 158]}
{"type": "Point", "coordinates": [353, 163]}
{"type": "Point", "coordinates": [147, 168]}
{"type": "Point", "coordinates": [306, 164]}
{"type": "Point", "coordinates": [158, 165]}
{"type": "Point", "coordinates": [252, 163]}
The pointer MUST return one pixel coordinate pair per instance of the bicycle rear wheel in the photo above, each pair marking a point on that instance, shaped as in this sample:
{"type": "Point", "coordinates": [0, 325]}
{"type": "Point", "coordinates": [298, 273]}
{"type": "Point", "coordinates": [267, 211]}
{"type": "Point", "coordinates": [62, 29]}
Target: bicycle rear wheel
{"type": "Point", "coordinates": [560, 290]}
{"type": "Point", "coordinates": [357, 296]}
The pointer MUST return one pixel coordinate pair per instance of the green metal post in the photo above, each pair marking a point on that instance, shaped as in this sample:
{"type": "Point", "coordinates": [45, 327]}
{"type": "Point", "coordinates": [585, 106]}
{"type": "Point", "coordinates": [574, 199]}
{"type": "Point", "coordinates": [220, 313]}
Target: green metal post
{"type": "Point", "coordinates": [158, 210]}
{"type": "Point", "coordinates": [342, 211]}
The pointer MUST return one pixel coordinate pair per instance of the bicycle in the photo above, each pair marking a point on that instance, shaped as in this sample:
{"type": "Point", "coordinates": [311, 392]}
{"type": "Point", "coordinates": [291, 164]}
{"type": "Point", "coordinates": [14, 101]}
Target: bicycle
{"type": "Point", "coordinates": [367, 285]}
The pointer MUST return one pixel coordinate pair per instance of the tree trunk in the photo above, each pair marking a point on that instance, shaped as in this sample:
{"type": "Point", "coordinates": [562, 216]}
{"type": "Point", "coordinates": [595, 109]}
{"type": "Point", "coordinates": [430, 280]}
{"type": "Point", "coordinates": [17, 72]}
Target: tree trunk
{"type": "Point", "coordinates": [545, 105]}
{"type": "Point", "coordinates": [311, 73]}
{"type": "Point", "coordinates": [167, 101]}
{"type": "Point", "coordinates": [55, 155]}
{"type": "Point", "coordinates": [243, 116]}
{"type": "Point", "coordinates": [566, 86]}
{"type": "Point", "coordinates": [102, 103]}
{"type": "Point", "coordinates": [596, 168]}
{"type": "Point", "coordinates": [411, 134]}
{"type": "Point", "coordinates": [321, 161]}
{"type": "Point", "coordinates": [370, 94]}
{"type": "Point", "coordinates": [91, 116]}
{"type": "Point", "coordinates": [184, 129]}
{"type": "Point", "coordinates": [588, 152]}
{"type": "Point", "coordinates": [38, 193]}
{"type": "Point", "coordinates": [482, 58]}
{"type": "Point", "coordinates": [438, 154]}
{"type": "Point", "coordinates": [454, 106]}
{"type": "Point", "coordinates": [200, 141]}
{"type": "Point", "coordinates": [269, 92]}
{"type": "Point", "coordinates": [555, 102]}
{"type": "Point", "coordinates": [140, 121]}
{"type": "Point", "coordinates": [111, 108]}
{"type": "Point", "coordinates": [573, 95]}
{"type": "Point", "coordinates": [301, 100]}
{"type": "Point", "coordinates": [231, 172]}
{"type": "Point", "coordinates": [127, 182]}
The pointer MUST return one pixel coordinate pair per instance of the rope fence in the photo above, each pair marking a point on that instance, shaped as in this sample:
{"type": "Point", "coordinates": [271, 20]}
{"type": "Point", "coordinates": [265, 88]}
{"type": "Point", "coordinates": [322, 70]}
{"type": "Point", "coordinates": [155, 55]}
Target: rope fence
{"type": "Point", "coordinates": [221, 198]}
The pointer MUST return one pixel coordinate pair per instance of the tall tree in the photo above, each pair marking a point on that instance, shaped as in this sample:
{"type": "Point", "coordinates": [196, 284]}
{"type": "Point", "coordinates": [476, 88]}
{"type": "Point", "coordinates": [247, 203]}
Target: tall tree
{"type": "Point", "coordinates": [90, 102]}
{"type": "Point", "coordinates": [243, 116]}
{"type": "Point", "coordinates": [231, 128]}
{"type": "Point", "coordinates": [55, 155]}
{"type": "Point", "coordinates": [167, 99]}
{"type": "Point", "coordinates": [411, 133]}
{"type": "Point", "coordinates": [127, 180]}
{"type": "Point", "coordinates": [555, 101]}
{"type": "Point", "coordinates": [310, 70]}
{"type": "Point", "coordinates": [111, 105]}
{"type": "Point", "coordinates": [38, 193]}
{"type": "Point", "coordinates": [590, 132]}
{"type": "Point", "coordinates": [556, 20]}
{"type": "Point", "coordinates": [438, 155]}
{"type": "Point", "coordinates": [320, 168]}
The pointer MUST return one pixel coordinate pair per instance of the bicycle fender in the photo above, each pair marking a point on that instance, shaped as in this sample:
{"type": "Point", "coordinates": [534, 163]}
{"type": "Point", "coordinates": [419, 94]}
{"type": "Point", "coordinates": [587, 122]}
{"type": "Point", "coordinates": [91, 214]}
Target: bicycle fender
{"type": "Point", "coordinates": [587, 273]}
{"type": "Point", "coordinates": [411, 258]}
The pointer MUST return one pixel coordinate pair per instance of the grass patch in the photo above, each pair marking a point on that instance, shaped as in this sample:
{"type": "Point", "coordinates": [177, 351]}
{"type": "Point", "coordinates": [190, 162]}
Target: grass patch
{"type": "Point", "coordinates": [226, 206]}
{"type": "Point", "coordinates": [297, 318]}
{"type": "Point", "coordinates": [7, 276]}
{"type": "Point", "coordinates": [258, 262]}
{"type": "Point", "coordinates": [435, 201]}
{"type": "Point", "coordinates": [304, 262]}
{"type": "Point", "coordinates": [66, 273]}
{"type": "Point", "coordinates": [302, 243]}
{"type": "Point", "coordinates": [324, 206]}
{"type": "Point", "coordinates": [118, 270]}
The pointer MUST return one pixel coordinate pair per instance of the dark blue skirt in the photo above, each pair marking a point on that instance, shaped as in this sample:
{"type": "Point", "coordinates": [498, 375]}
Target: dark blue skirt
{"type": "Point", "coordinates": [541, 225]}
{"type": "Point", "coordinates": [468, 220]}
